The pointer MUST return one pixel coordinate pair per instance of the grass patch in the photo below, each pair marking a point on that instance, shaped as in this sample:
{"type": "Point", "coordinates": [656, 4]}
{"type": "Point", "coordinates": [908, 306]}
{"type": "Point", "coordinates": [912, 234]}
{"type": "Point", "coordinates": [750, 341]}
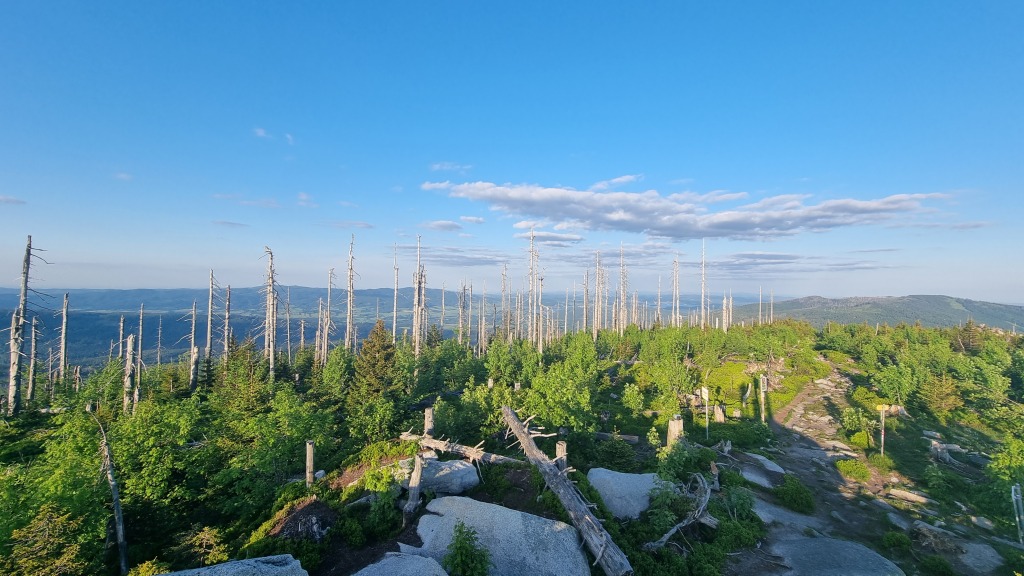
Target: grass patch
{"type": "Point", "coordinates": [794, 495]}
{"type": "Point", "coordinates": [854, 470]}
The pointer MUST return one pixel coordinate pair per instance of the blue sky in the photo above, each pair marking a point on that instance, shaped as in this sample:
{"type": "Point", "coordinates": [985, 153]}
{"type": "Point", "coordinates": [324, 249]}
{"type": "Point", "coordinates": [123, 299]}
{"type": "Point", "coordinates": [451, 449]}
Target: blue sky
{"type": "Point", "coordinates": [830, 148]}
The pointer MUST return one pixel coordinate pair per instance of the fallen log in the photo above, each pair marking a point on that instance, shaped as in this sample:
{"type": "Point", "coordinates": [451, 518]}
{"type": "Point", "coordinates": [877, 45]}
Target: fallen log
{"type": "Point", "coordinates": [475, 454]}
{"type": "Point", "coordinates": [611, 558]}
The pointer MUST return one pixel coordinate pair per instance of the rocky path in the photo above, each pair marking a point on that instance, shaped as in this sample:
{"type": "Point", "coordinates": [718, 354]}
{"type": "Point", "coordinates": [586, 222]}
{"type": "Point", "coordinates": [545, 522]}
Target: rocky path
{"type": "Point", "coordinates": [807, 446]}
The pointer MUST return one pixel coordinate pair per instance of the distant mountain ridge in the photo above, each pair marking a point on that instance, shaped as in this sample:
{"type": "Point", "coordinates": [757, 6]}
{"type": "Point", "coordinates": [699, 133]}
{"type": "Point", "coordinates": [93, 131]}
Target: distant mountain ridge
{"type": "Point", "coordinates": [929, 310]}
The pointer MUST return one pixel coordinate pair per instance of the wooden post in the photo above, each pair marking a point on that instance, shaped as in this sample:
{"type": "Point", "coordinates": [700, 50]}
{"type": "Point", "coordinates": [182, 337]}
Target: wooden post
{"type": "Point", "coordinates": [882, 409]}
{"type": "Point", "coordinates": [561, 455]}
{"type": "Point", "coordinates": [428, 421]}
{"type": "Point", "coordinates": [309, 463]}
{"type": "Point", "coordinates": [598, 541]}
{"type": "Point", "coordinates": [675, 430]}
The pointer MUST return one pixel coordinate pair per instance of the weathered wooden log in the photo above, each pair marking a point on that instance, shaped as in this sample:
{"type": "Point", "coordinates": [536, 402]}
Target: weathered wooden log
{"type": "Point", "coordinates": [561, 455]}
{"type": "Point", "coordinates": [675, 430]}
{"type": "Point", "coordinates": [428, 421]}
{"type": "Point", "coordinates": [414, 487]}
{"type": "Point", "coordinates": [473, 453]}
{"type": "Point", "coordinates": [309, 463]}
{"type": "Point", "coordinates": [628, 438]}
{"type": "Point", "coordinates": [611, 558]}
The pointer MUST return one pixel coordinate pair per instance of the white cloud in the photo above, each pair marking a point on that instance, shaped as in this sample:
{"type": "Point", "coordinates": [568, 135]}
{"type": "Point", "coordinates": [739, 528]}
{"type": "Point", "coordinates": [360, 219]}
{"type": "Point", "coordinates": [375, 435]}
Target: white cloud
{"type": "Point", "coordinates": [609, 184]}
{"type": "Point", "coordinates": [288, 138]}
{"type": "Point", "coordinates": [260, 133]}
{"type": "Point", "coordinates": [449, 167]}
{"type": "Point", "coordinates": [709, 197]}
{"type": "Point", "coordinates": [680, 218]}
{"type": "Point", "coordinates": [123, 176]}
{"type": "Point", "coordinates": [551, 238]}
{"type": "Point", "coordinates": [11, 200]}
{"type": "Point", "coordinates": [436, 185]}
{"type": "Point", "coordinates": [443, 225]}
{"type": "Point", "coordinates": [306, 201]}
{"type": "Point", "coordinates": [229, 224]}
{"type": "Point", "coordinates": [527, 224]}
{"type": "Point", "coordinates": [472, 219]}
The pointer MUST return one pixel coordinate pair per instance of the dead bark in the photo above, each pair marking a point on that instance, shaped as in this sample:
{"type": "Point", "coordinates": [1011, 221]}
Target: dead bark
{"type": "Point", "coordinates": [129, 374]}
{"type": "Point", "coordinates": [700, 492]}
{"type": "Point", "coordinates": [108, 466]}
{"type": "Point", "coordinates": [209, 319]}
{"type": "Point", "coordinates": [350, 299]}
{"type": "Point", "coordinates": [63, 367]}
{"type": "Point", "coordinates": [414, 487]}
{"type": "Point", "coordinates": [270, 321]}
{"type": "Point", "coordinates": [394, 307]}
{"type": "Point", "coordinates": [475, 454]}
{"type": "Point", "coordinates": [30, 387]}
{"type": "Point", "coordinates": [611, 558]}
{"type": "Point", "coordinates": [18, 337]}
{"type": "Point", "coordinates": [227, 324]}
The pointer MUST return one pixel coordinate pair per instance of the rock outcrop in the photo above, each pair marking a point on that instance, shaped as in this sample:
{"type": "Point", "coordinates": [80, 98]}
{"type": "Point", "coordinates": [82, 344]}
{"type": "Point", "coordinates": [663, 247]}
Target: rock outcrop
{"type": "Point", "coordinates": [398, 564]}
{"type": "Point", "coordinates": [444, 477]}
{"type": "Point", "coordinates": [817, 556]}
{"type": "Point", "coordinates": [282, 565]}
{"type": "Point", "coordinates": [519, 543]}
{"type": "Point", "coordinates": [625, 495]}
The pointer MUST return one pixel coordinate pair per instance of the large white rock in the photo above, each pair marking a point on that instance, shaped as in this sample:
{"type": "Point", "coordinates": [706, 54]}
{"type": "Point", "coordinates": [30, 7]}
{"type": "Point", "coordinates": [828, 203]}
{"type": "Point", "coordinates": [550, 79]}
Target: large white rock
{"type": "Point", "coordinates": [282, 565]}
{"type": "Point", "coordinates": [519, 543]}
{"type": "Point", "coordinates": [398, 564]}
{"type": "Point", "coordinates": [625, 495]}
{"type": "Point", "coordinates": [817, 556]}
{"type": "Point", "coordinates": [767, 464]}
{"type": "Point", "coordinates": [448, 477]}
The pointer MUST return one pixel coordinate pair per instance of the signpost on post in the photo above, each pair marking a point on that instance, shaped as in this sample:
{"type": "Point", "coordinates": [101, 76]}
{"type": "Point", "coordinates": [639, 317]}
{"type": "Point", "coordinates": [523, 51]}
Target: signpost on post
{"type": "Point", "coordinates": [764, 391]}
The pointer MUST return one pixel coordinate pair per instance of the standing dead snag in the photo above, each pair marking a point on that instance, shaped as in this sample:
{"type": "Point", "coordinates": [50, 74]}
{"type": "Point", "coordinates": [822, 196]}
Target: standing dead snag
{"type": "Point", "coordinates": [611, 558]}
{"type": "Point", "coordinates": [129, 375]}
{"type": "Point", "coordinates": [270, 322]}
{"type": "Point", "coordinates": [18, 337]}
{"type": "Point", "coordinates": [108, 467]}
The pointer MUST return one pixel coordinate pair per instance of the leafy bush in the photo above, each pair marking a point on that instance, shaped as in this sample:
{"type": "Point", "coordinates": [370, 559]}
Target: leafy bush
{"type": "Point", "coordinates": [936, 566]}
{"type": "Point", "coordinates": [860, 440]}
{"type": "Point", "coordinates": [681, 460]}
{"type": "Point", "coordinates": [465, 556]}
{"type": "Point", "coordinates": [794, 495]}
{"type": "Point", "coordinates": [854, 470]}
{"type": "Point", "coordinates": [743, 433]}
{"type": "Point", "coordinates": [894, 540]}
{"type": "Point", "coordinates": [615, 454]}
{"type": "Point", "coordinates": [883, 463]}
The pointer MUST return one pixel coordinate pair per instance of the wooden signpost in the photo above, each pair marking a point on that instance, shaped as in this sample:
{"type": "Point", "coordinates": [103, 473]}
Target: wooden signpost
{"type": "Point", "coordinates": [882, 409]}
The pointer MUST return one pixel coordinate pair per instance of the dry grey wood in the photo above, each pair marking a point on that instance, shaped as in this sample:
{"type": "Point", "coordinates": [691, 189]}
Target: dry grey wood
{"type": "Point", "coordinates": [700, 492]}
{"type": "Point", "coordinates": [288, 323]}
{"type": "Point", "coordinates": [120, 338]}
{"type": "Point", "coordinates": [270, 321]}
{"type": "Point", "coordinates": [309, 463]}
{"type": "Point", "coordinates": [138, 343]}
{"type": "Point", "coordinates": [129, 374]}
{"type": "Point", "coordinates": [18, 337]}
{"type": "Point", "coordinates": [227, 324]}
{"type": "Point", "coordinates": [350, 299]}
{"type": "Point", "coordinates": [30, 386]}
{"type": "Point", "coordinates": [193, 369]}
{"type": "Point", "coordinates": [63, 367]}
{"type": "Point", "coordinates": [394, 306]}
{"type": "Point", "coordinates": [611, 558]}
{"type": "Point", "coordinates": [475, 454]}
{"type": "Point", "coordinates": [108, 466]}
{"type": "Point", "coordinates": [414, 487]}
{"type": "Point", "coordinates": [209, 320]}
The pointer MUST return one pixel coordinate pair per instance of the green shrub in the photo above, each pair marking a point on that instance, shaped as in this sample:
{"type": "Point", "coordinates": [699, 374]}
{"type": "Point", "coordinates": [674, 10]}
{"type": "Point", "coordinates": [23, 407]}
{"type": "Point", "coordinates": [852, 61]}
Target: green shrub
{"type": "Point", "coordinates": [894, 540]}
{"type": "Point", "coordinates": [854, 470]}
{"type": "Point", "coordinates": [883, 463]}
{"type": "Point", "coordinates": [861, 440]}
{"type": "Point", "coordinates": [742, 433]}
{"type": "Point", "coordinates": [615, 454]}
{"type": "Point", "coordinates": [936, 566]}
{"type": "Point", "coordinates": [681, 460]}
{"type": "Point", "coordinates": [465, 556]}
{"type": "Point", "coordinates": [794, 495]}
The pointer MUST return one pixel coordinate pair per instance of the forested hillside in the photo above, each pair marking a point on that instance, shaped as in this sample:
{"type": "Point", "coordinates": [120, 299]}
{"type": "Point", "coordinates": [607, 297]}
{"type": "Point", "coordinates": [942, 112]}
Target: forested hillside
{"type": "Point", "coordinates": [202, 469]}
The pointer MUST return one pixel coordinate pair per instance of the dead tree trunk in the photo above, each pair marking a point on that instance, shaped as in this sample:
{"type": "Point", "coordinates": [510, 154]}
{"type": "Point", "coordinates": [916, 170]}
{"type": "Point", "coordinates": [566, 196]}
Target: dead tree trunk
{"type": "Point", "coordinates": [108, 466]}
{"type": "Point", "coordinates": [288, 323]}
{"type": "Point", "coordinates": [350, 300]}
{"type": "Point", "coordinates": [120, 338]}
{"type": "Point", "coordinates": [599, 542]}
{"type": "Point", "coordinates": [394, 307]}
{"type": "Point", "coordinates": [209, 320]}
{"type": "Point", "coordinates": [129, 374]}
{"type": "Point", "coordinates": [159, 338]}
{"type": "Point", "coordinates": [270, 321]}
{"type": "Point", "coordinates": [30, 387]}
{"type": "Point", "coordinates": [193, 369]}
{"type": "Point", "coordinates": [138, 353]}
{"type": "Point", "coordinates": [474, 453]}
{"type": "Point", "coordinates": [414, 487]}
{"type": "Point", "coordinates": [18, 337]}
{"type": "Point", "coordinates": [227, 323]}
{"type": "Point", "coordinates": [63, 367]}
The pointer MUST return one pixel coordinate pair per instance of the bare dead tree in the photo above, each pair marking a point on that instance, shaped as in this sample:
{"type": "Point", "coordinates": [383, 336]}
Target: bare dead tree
{"type": "Point", "coordinates": [394, 307]}
{"type": "Point", "coordinates": [108, 467]}
{"type": "Point", "coordinates": [209, 318]}
{"type": "Point", "coordinates": [675, 292]}
{"type": "Point", "coordinates": [18, 337]}
{"type": "Point", "coordinates": [63, 367]}
{"type": "Point", "coordinates": [586, 297]}
{"type": "Point", "coordinates": [30, 387]}
{"type": "Point", "coordinates": [159, 338]}
{"type": "Point", "coordinates": [350, 300]}
{"type": "Point", "coordinates": [302, 334]}
{"type": "Point", "coordinates": [120, 338]}
{"type": "Point", "coordinates": [227, 324]}
{"type": "Point", "coordinates": [138, 356]}
{"type": "Point", "coordinates": [623, 282]}
{"type": "Point", "coordinates": [416, 316]}
{"type": "Point", "coordinates": [129, 375]}
{"type": "Point", "coordinates": [703, 289]}
{"type": "Point", "coordinates": [288, 323]}
{"type": "Point", "coordinates": [270, 321]}
{"type": "Point", "coordinates": [481, 333]}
